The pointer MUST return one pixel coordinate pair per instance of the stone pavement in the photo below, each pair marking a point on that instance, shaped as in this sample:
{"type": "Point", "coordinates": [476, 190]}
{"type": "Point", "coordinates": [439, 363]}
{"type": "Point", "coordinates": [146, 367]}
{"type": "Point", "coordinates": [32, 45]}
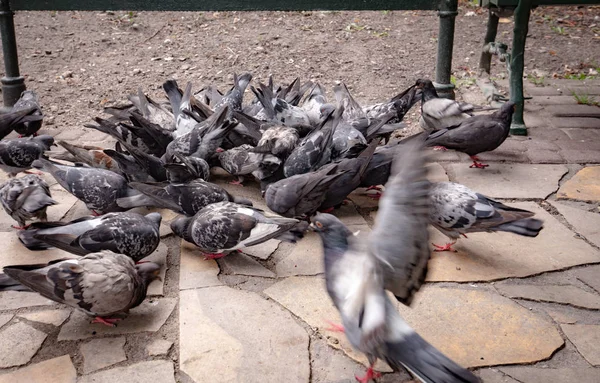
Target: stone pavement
{"type": "Point", "coordinates": [514, 309]}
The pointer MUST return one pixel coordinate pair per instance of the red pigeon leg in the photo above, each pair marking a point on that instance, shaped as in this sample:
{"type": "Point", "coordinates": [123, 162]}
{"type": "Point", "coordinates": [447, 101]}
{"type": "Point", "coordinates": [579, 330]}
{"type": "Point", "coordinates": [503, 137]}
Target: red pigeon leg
{"type": "Point", "coordinates": [440, 148]}
{"type": "Point", "coordinates": [328, 210]}
{"type": "Point", "coordinates": [238, 182]}
{"type": "Point", "coordinates": [374, 187]}
{"type": "Point", "coordinates": [377, 195]}
{"type": "Point", "coordinates": [446, 247]}
{"type": "Point", "coordinates": [208, 256]}
{"type": "Point", "coordinates": [112, 322]}
{"type": "Point", "coordinates": [95, 213]}
{"type": "Point", "coordinates": [33, 172]}
{"type": "Point", "coordinates": [20, 227]}
{"type": "Point", "coordinates": [335, 327]}
{"type": "Point", "coordinates": [370, 375]}
{"type": "Point", "coordinates": [477, 164]}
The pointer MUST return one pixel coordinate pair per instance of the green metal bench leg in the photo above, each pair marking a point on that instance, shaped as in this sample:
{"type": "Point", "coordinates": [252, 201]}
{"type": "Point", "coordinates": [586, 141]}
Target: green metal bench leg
{"type": "Point", "coordinates": [485, 61]}
{"type": "Point", "coordinates": [517, 64]}
{"type": "Point", "coordinates": [443, 69]}
{"type": "Point", "coordinates": [12, 84]}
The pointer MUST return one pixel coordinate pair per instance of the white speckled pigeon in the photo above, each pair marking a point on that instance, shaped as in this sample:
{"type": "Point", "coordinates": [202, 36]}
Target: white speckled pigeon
{"type": "Point", "coordinates": [225, 227]}
{"type": "Point", "coordinates": [17, 154]}
{"type": "Point", "coordinates": [26, 198]}
{"type": "Point", "coordinates": [457, 210]}
{"type": "Point", "coordinates": [104, 285]}
{"type": "Point", "coordinates": [97, 188]}
{"type": "Point", "coordinates": [132, 234]}
{"type": "Point", "coordinates": [476, 135]}
{"type": "Point", "coordinates": [241, 161]}
{"type": "Point", "coordinates": [394, 258]}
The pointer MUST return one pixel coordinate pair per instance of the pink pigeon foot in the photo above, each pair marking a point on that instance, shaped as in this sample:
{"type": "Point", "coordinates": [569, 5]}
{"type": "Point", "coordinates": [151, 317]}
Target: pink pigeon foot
{"type": "Point", "coordinates": [446, 247]}
{"type": "Point", "coordinates": [33, 172]}
{"type": "Point", "coordinates": [95, 213]}
{"type": "Point", "coordinates": [377, 195]}
{"type": "Point", "coordinates": [208, 256]}
{"type": "Point", "coordinates": [111, 322]}
{"type": "Point", "coordinates": [374, 187]}
{"type": "Point", "coordinates": [20, 227]}
{"type": "Point", "coordinates": [370, 375]}
{"type": "Point", "coordinates": [477, 164]}
{"type": "Point", "coordinates": [440, 148]}
{"type": "Point", "coordinates": [237, 182]}
{"type": "Point", "coordinates": [335, 327]}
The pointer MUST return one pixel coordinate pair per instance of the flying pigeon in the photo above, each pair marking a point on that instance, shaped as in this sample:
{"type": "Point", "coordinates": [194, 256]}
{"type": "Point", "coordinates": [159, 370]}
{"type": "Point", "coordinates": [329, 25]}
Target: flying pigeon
{"type": "Point", "coordinates": [104, 285]}
{"type": "Point", "coordinates": [185, 198]}
{"type": "Point", "coordinates": [26, 198]}
{"type": "Point", "coordinates": [394, 258]}
{"type": "Point", "coordinates": [97, 188]}
{"type": "Point", "coordinates": [456, 210]}
{"type": "Point", "coordinates": [476, 135]}
{"type": "Point", "coordinates": [132, 234]}
{"type": "Point", "coordinates": [33, 122]}
{"type": "Point", "coordinates": [225, 227]}
{"type": "Point", "coordinates": [17, 154]}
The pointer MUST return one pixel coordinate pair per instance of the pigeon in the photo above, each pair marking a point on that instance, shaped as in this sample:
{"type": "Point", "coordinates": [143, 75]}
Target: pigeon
{"type": "Point", "coordinates": [97, 188]}
{"type": "Point", "coordinates": [399, 105]}
{"type": "Point", "coordinates": [26, 198]}
{"type": "Point", "coordinates": [104, 285]}
{"type": "Point", "coordinates": [438, 113]}
{"type": "Point", "coordinates": [272, 138]}
{"type": "Point", "coordinates": [129, 167]}
{"type": "Point", "coordinates": [302, 194]}
{"type": "Point", "coordinates": [394, 258]}
{"type": "Point", "coordinates": [225, 227]}
{"type": "Point", "coordinates": [456, 210]}
{"type": "Point", "coordinates": [353, 114]}
{"type": "Point", "coordinates": [312, 106]}
{"type": "Point", "coordinates": [185, 198]}
{"type": "Point", "coordinates": [9, 121]}
{"type": "Point", "coordinates": [314, 150]}
{"type": "Point", "coordinates": [30, 125]}
{"type": "Point", "coordinates": [278, 110]}
{"type": "Point", "coordinates": [233, 98]}
{"type": "Point", "coordinates": [152, 168]}
{"type": "Point", "coordinates": [151, 110]}
{"type": "Point", "coordinates": [185, 169]}
{"type": "Point", "coordinates": [17, 154]}
{"type": "Point", "coordinates": [476, 134]}
{"type": "Point", "coordinates": [242, 160]}
{"type": "Point", "coordinates": [93, 156]}
{"type": "Point", "coordinates": [132, 234]}
{"type": "Point", "coordinates": [181, 105]}
{"type": "Point", "coordinates": [378, 170]}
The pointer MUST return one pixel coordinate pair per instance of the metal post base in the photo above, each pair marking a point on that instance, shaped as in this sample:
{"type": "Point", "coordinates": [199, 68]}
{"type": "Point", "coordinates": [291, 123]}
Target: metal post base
{"type": "Point", "coordinates": [12, 87]}
{"type": "Point", "coordinates": [445, 90]}
{"type": "Point", "coordinates": [518, 129]}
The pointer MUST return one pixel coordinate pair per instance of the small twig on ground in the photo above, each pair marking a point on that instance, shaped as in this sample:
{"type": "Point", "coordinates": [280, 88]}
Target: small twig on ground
{"type": "Point", "coordinates": [154, 34]}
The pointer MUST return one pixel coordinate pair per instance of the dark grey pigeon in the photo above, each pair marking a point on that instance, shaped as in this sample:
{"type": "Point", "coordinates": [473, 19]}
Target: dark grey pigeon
{"type": "Point", "coordinates": [156, 113]}
{"type": "Point", "coordinates": [185, 198]}
{"type": "Point", "coordinates": [357, 273]}
{"type": "Point", "coordinates": [132, 234]}
{"type": "Point", "coordinates": [378, 170]}
{"type": "Point", "coordinates": [302, 194]}
{"type": "Point", "coordinates": [29, 125]}
{"type": "Point", "coordinates": [185, 169]}
{"type": "Point", "coordinates": [315, 149]}
{"type": "Point", "coordinates": [9, 121]}
{"type": "Point", "coordinates": [26, 198]}
{"type": "Point", "coordinates": [225, 227]}
{"type": "Point", "coordinates": [97, 188]}
{"type": "Point", "coordinates": [148, 164]}
{"type": "Point", "coordinates": [104, 285]}
{"type": "Point", "coordinates": [17, 154]}
{"type": "Point", "coordinates": [242, 160]}
{"type": "Point", "coordinates": [457, 210]}
{"type": "Point", "coordinates": [399, 105]}
{"type": "Point", "coordinates": [476, 135]}
{"type": "Point", "coordinates": [233, 98]}
{"type": "Point", "coordinates": [128, 166]}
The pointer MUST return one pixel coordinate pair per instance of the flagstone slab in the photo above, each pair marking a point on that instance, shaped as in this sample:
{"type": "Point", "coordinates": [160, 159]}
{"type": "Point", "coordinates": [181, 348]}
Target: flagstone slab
{"type": "Point", "coordinates": [57, 370]}
{"type": "Point", "coordinates": [560, 316]}
{"type": "Point", "coordinates": [149, 316]}
{"type": "Point", "coordinates": [590, 276]}
{"type": "Point", "coordinates": [566, 294]}
{"type": "Point", "coordinates": [159, 347]}
{"type": "Point", "coordinates": [490, 375]}
{"type": "Point", "coordinates": [14, 253]}
{"type": "Point", "coordinates": [262, 250]}
{"type": "Point", "coordinates": [143, 372]}
{"type": "Point", "coordinates": [65, 201]}
{"type": "Point", "coordinates": [158, 256]}
{"type": "Point", "coordinates": [18, 344]}
{"type": "Point", "coordinates": [492, 256]}
{"type": "Point", "coordinates": [194, 270]}
{"type": "Point", "coordinates": [241, 264]}
{"type": "Point", "coordinates": [474, 328]}
{"type": "Point", "coordinates": [585, 223]}
{"type": "Point", "coordinates": [239, 337]}
{"type": "Point", "coordinates": [586, 339]}
{"type": "Point", "coordinates": [5, 318]}
{"type": "Point", "coordinates": [503, 180]}
{"type": "Point", "coordinates": [53, 317]}
{"type": "Point", "coordinates": [11, 300]}
{"type": "Point", "coordinates": [583, 186]}
{"type": "Point", "coordinates": [554, 375]}
{"type": "Point", "coordinates": [100, 353]}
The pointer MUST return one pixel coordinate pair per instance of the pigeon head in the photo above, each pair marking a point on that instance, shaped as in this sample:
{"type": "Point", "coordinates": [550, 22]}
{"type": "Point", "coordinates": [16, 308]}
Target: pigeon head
{"type": "Point", "coordinates": [148, 271]}
{"type": "Point", "coordinates": [156, 218]}
{"type": "Point", "coordinates": [29, 95]}
{"type": "Point", "coordinates": [326, 109]}
{"type": "Point", "coordinates": [45, 140]}
{"type": "Point", "coordinates": [180, 227]}
{"type": "Point", "coordinates": [427, 89]}
{"type": "Point", "coordinates": [327, 224]}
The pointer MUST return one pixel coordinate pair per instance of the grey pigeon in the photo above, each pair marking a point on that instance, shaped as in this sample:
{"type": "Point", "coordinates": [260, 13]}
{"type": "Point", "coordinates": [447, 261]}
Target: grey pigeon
{"type": "Point", "coordinates": [184, 169]}
{"type": "Point", "coordinates": [26, 198]}
{"type": "Point", "coordinates": [272, 138]}
{"type": "Point", "coordinates": [225, 227]}
{"type": "Point", "coordinates": [242, 160]}
{"type": "Point", "coordinates": [150, 165]}
{"type": "Point", "coordinates": [151, 110]}
{"type": "Point", "coordinates": [30, 125]}
{"type": "Point", "coordinates": [128, 166]}
{"type": "Point", "coordinates": [456, 210]}
{"type": "Point", "coordinates": [476, 135]}
{"type": "Point", "coordinates": [379, 169]}
{"type": "Point", "coordinates": [278, 110]}
{"type": "Point", "coordinates": [132, 234]}
{"type": "Point", "coordinates": [9, 121]}
{"type": "Point", "coordinates": [181, 105]}
{"type": "Point", "coordinates": [315, 149]}
{"type": "Point", "coordinates": [302, 194]}
{"type": "Point", "coordinates": [233, 98]}
{"type": "Point", "coordinates": [93, 156]}
{"type": "Point", "coordinates": [17, 154]}
{"type": "Point", "coordinates": [104, 285]}
{"type": "Point", "coordinates": [313, 103]}
{"type": "Point", "coordinates": [97, 188]}
{"type": "Point", "coordinates": [354, 115]}
{"type": "Point", "coordinates": [185, 198]}
{"type": "Point", "coordinates": [394, 258]}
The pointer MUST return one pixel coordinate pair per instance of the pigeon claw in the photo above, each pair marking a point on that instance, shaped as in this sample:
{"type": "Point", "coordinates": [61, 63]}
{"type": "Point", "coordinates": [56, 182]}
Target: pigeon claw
{"type": "Point", "coordinates": [477, 164]}
{"type": "Point", "coordinates": [95, 213]}
{"type": "Point", "coordinates": [370, 375]}
{"type": "Point", "coordinates": [446, 247]}
{"type": "Point", "coordinates": [440, 148]}
{"type": "Point", "coordinates": [111, 322]}
{"type": "Point", "coordinates": [208, 256]}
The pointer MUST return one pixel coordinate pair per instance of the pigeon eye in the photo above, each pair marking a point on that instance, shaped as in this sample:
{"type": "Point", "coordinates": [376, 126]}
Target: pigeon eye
{"type": "Point", "coordinates": [319, 225]}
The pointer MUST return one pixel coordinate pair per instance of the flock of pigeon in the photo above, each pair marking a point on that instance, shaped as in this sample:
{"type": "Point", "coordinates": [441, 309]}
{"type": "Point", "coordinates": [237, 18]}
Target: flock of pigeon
{"type": "Point", "coordinates": [308, 155]}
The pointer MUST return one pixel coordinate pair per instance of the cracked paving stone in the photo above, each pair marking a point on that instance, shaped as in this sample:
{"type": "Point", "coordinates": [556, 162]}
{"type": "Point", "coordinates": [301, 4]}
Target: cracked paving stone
{"type": "Point", "coordinates": [585, 223]}
{"type": "Point", "coordinates": [194, 270]}
{"type": "Point", "coordinates": [554, 375]}
{"type": "Point", "coordinates": [53, 317]}
{"type": "Point", "coordinates": [586, 339]}
{"type": "Point", "coordinates": [584, 186]}
{"type": "Point", "coordinates": [100, 353]}
{"type": "Point", "coordinates": [241, 264]}
{"type": "Point", "coordinates": [502, 180]}
{"type": "Point", "coordinates": [159, 371]}
{"type": "Point", "coordinates": [560, 316]}
{"type": "Point", "coordinates": [5, 318]}
{"type": "Point", "coordinates": [589, 276]}
{"type": "Point", "coordinates": [490, 375]}
{"type": "Point", "coordinates": [57, 370]}
{"type": "Point", "coordinates": [159, 347]}
{"type": "Point", "coordinates": [18, 344]}
{"type": "Point", "coordinates": [474, 328]}
{"type": "Point", "coordinates": [436, 173]}
{"type": "Point", "coordinates": [149, 316]}
{"type": "Point", "coordinates": [567, 294]}
{"type": "Point", "coordinates": [159, 256]}
{"type": "Point", "coordinates": [14, 253]}
{"type": "Point", "coordinates": [237, 336]}
{"type": "Point", "coordinates": [491, 256]}
{"type": "Point", "coordinates": [262, 250]}
{"type": "Point", "coordinates": [65, 201]}
{"type": "Point", "coordinates": [12, 300]}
